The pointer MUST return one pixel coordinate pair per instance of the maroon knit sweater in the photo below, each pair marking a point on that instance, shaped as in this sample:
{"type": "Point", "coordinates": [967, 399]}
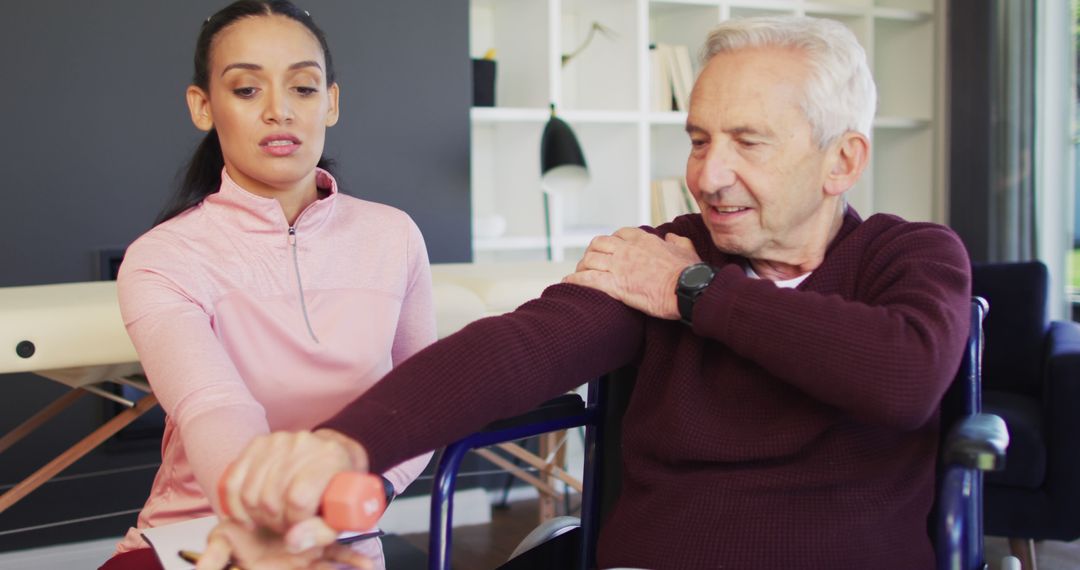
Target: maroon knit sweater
{"type": "Point", "coordinates": [788, 429]}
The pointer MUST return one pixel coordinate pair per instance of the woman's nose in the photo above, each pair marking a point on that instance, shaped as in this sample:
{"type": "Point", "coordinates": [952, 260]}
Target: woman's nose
{"type": "Point", "coordinates": [277, 108]}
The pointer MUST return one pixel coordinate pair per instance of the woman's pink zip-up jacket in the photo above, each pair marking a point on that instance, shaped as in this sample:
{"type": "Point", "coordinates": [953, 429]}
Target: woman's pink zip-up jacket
{"type": "Point", "coordinates": [245, 325]}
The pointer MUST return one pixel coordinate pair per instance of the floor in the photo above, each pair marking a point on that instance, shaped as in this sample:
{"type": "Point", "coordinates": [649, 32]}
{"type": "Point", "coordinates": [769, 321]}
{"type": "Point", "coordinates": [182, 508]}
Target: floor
{"type": "Point", "coordinates": [476, 547]}
{"type": "Point", "coordinates": [482, 547]}
{"type": "Point", "coordinates": [1049, 554]}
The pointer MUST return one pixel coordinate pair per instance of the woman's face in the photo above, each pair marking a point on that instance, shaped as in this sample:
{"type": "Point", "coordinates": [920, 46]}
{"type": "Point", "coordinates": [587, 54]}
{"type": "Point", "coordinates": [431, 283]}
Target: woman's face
{"type": "Point", "coordinates": [269, 101]}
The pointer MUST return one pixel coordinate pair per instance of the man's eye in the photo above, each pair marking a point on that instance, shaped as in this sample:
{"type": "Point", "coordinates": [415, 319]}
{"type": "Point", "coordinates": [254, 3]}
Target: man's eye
{"type": "Point", "coordinates": [245, 92]}
{"type": "Point", "coordinates": [748, 144]}
{"type": "Point", "coordinates": [697, 143]}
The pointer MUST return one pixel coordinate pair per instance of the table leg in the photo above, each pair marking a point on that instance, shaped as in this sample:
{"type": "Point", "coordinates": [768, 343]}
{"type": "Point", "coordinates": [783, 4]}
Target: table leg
{"type": "Point", "coordinates": [557, 470]}
{"type": "Point", "coordinates": [76, 452]}
{"type": "Point", "coordinates": [541, 486]}
{"type": "Point", "coordinates": [22, 430]}
{"type": "Point", "coordinates": [548, 503]}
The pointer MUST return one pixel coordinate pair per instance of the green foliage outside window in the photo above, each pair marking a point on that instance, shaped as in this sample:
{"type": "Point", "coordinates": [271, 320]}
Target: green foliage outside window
{"type": "Point", "coordinates": [1074, 257]}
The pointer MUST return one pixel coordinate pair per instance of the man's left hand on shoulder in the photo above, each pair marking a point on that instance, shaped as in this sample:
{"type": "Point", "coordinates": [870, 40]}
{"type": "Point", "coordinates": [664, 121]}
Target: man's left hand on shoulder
{"type": "Point", "coordinates": [638, 268]}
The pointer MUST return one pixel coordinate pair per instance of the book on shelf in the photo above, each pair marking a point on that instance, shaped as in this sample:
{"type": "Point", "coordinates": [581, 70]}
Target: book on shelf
{"type": "Point", "coordinates": [684, 71]}
{"type": "Point", "coordinates": [671, 198]}
{"type": "Point", "coordinates": [661, 96]}
{"type": "Point", "coordinates": [672, 77]}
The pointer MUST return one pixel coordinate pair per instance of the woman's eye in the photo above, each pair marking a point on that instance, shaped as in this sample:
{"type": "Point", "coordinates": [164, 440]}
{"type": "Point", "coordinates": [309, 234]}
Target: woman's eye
{"type": "Point", "coordinates": [305, 91]}
{"type": "Point", "coordinates": [245, 92]}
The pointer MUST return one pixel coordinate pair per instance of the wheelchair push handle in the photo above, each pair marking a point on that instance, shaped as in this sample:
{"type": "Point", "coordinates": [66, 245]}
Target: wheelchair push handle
{"type": "Point", "coordinates": [352, 501]}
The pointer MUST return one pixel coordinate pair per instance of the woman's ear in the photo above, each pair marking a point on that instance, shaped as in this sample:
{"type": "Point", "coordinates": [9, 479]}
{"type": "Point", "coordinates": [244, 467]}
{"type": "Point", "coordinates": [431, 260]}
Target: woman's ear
{"type": "Point", "coordinates": [198, 103]}
{"type": "Point", "coordinates": [849, 157]}
{"type": "Point", "coordinates": [332, 113]}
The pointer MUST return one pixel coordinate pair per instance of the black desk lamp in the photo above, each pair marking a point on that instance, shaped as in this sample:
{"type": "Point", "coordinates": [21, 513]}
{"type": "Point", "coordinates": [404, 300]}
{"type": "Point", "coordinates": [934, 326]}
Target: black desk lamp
{"type": "Point", "coordinates": [562, 165]}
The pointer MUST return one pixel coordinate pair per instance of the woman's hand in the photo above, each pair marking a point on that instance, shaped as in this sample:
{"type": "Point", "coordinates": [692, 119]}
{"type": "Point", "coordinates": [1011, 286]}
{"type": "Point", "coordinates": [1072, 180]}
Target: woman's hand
{"type": "Point", "coordinates": [265, 550]}
{"type": "Point", "coordinates": [279, 479]}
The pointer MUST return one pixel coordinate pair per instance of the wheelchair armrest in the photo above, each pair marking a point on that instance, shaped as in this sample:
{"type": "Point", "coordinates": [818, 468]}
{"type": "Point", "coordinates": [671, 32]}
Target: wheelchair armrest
{"type": "Point", "coordinates": [564, 412]}
{"type": "Point", "coordinates": [556, 408]}
{"type": "Point", "coordinates": [978, 441]}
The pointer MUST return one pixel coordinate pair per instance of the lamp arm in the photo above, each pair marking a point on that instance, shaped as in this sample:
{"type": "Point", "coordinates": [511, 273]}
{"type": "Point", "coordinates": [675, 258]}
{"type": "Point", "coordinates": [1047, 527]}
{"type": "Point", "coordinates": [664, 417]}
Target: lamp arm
{"type": "Point", "coordinates": [547, 224]}
{"type": "Point", "coordinates": [595, 27]}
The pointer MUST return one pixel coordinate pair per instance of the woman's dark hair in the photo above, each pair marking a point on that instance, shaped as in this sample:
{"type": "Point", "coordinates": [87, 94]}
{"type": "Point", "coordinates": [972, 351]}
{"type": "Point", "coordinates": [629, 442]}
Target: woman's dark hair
{"type": "Point", "coordinates": [203, 174]}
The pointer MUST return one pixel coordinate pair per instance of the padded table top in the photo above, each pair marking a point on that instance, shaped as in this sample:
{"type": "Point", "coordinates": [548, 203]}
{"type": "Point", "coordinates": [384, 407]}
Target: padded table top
{"type": "Point", "coordinates": [69, 325]}
{"type": "Point", "coordinates": [73, 333]}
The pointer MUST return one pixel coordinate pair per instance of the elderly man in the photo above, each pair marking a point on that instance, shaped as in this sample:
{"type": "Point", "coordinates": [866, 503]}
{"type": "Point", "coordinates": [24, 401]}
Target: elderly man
{"type": "Point", "coordinates": [791, 356]}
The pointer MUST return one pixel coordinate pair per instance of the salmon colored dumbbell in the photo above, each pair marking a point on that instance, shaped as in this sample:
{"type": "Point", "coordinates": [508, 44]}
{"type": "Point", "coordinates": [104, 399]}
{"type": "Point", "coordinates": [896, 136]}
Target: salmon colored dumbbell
{"type": "Point", "coordinates": [352, 501]}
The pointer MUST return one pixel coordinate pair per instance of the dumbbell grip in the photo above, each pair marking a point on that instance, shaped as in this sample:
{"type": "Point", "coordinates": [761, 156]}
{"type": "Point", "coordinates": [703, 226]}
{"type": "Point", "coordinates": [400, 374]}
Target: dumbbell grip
{"type": "Point", "coordinates": [351, 502]}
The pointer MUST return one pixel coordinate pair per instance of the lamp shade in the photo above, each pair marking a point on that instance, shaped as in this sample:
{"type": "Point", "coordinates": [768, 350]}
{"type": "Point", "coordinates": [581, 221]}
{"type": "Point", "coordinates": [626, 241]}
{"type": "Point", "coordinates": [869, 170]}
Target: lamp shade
{"type": "Point", "coordinates": [562, 164]}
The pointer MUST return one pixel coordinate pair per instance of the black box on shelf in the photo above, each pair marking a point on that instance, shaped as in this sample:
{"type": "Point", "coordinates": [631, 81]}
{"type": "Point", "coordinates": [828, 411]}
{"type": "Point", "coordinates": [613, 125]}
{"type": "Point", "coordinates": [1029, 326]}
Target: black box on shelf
{"type": "Point", "coordinates": [483, 78]}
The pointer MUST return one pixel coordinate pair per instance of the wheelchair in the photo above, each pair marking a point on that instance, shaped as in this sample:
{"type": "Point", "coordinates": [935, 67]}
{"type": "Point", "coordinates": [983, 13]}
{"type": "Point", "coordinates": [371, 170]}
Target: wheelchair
{"type": "Point", "coordinates": [972, 442]}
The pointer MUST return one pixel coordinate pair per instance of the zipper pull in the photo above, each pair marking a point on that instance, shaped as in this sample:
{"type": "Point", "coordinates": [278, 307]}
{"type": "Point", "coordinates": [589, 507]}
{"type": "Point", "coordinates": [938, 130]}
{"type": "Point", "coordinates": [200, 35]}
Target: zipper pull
{"type": "Point", "coordinates": [292, 235]}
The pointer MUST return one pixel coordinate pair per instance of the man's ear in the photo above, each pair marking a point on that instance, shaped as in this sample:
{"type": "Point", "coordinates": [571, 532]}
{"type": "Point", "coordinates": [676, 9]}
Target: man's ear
{"type": "Point", "coordinates": [332, 114]}
{"type": "Point", "coordinates": [848, 157]}
{"type": "Point", "coordinates": [198, 103]}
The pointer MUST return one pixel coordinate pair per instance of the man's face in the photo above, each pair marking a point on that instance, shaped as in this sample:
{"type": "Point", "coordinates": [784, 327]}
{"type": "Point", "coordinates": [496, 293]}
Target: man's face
{"type": "Point", "coordinates": [754, 167]}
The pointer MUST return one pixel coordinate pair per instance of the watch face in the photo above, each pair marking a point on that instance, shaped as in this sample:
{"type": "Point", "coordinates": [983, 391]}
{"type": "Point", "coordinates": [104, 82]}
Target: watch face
{"type": "Point", "coordinates": [696, 276]}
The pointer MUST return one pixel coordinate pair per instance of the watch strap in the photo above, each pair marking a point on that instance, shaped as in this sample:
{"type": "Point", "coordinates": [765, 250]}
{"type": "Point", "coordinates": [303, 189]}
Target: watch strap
{"type": "Point", "coordinates": [686, 306]}
{"type": "Point", "coordinates": [686, 295]}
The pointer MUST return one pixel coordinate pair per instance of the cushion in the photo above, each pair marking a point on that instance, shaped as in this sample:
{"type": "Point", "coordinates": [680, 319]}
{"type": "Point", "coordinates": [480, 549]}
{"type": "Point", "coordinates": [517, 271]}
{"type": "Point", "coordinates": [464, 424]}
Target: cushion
{"type": "Point", "coordinates": [1016, 325]}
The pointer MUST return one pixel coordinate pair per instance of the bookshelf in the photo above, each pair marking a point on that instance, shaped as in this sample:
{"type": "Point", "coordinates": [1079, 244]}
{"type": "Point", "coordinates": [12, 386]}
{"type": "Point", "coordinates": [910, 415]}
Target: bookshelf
{"type": "Point", "coordinates": [604, 94]}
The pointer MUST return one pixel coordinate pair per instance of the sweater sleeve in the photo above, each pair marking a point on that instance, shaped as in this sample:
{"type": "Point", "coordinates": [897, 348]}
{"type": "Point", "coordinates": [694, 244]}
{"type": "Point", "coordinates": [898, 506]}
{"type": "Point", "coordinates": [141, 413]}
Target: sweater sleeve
{"type": "Point", "coordinates": [886, 356]}
{"type": "Point", "coordinates": [493, 368]}
{"type": "Point", "coordinates": [192, 376]}
{"type": "Point", "coordinates": [415, 330]}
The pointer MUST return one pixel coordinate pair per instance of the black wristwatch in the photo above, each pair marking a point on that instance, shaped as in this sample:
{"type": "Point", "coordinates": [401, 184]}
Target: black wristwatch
{"type": "Point", "coordinates": [388, 488]}
{"type": "Point", "coordinates": [692, 283]}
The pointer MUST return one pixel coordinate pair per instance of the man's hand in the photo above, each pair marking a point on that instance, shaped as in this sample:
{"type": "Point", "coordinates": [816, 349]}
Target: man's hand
{"type": "Point", "coordinates": [279, 479]}
{"type": "Point", "coordinates": [264, 550]}
{"type": "Point", "coordinates": [637, 268]}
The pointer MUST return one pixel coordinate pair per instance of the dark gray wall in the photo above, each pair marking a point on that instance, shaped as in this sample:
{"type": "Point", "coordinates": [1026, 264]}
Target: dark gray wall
{"type": "Point", "coordinates": [96, 130]}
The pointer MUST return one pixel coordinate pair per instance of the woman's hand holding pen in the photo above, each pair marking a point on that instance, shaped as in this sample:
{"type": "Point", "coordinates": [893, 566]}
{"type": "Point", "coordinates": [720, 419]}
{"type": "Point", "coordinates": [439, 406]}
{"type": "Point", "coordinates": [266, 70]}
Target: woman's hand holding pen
{"type": "Point", "coordinates": [232, 545]}
{"type": "Point", "coordinates": [275, 488]}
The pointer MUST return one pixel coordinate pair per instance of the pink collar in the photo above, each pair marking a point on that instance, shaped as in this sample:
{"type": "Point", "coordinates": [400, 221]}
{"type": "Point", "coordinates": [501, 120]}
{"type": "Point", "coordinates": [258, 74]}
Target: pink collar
{"type": "Point", "coordinates": [239, 209]}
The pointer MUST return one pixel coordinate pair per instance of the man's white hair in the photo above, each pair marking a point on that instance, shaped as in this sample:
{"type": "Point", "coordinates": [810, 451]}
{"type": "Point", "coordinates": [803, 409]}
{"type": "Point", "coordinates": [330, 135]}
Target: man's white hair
{"type": "Point", "coordinates": [840, 94]}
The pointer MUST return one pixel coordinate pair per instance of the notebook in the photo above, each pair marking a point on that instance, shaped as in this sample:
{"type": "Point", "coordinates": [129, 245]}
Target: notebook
{"type": "Point", "coordinates": [168, 540]}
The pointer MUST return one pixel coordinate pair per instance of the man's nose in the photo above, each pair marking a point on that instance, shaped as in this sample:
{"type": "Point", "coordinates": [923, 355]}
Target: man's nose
{"type": "Point", "coordinates": [717, 170]}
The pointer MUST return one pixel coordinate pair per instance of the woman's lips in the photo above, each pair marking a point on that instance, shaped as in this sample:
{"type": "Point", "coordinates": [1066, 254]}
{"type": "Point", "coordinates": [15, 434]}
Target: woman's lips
{"type": "Point", "coordinates": [281, 145]}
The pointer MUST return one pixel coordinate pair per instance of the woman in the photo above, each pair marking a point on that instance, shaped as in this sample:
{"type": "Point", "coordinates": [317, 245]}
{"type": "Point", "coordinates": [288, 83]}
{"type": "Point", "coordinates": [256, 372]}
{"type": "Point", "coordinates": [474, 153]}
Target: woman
{"type": "Point", "coordinates": [264, 299]}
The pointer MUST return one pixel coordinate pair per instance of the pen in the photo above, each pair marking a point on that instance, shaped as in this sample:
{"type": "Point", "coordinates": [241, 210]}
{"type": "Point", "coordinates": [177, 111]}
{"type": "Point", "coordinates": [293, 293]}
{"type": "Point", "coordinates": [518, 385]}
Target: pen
{"type": "Point", "coordinates": [193, 557]}
{"type": "Point", "coordinates": [358, 537]}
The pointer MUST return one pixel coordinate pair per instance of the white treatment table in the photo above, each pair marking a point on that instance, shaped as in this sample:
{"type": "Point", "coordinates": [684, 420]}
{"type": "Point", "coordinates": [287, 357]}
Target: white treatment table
{"type": "Point", "coordinates": [72, 333]}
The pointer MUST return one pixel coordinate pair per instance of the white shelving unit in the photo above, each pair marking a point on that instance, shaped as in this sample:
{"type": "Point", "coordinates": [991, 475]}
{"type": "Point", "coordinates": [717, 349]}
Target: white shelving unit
{"type": "Point", "coordinates": [604, 95]}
